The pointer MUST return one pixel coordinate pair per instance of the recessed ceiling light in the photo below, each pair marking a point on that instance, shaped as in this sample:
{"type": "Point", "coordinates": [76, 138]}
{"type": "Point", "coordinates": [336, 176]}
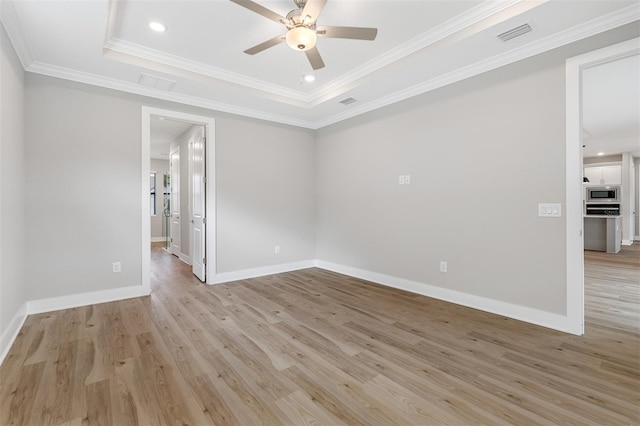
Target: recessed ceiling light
{"type": "Point", "coordinates": [601, 153]}
{"type": "Point", "coordinates": [157, 26]}
{"type": "Point", "coordinates": [309, 78]}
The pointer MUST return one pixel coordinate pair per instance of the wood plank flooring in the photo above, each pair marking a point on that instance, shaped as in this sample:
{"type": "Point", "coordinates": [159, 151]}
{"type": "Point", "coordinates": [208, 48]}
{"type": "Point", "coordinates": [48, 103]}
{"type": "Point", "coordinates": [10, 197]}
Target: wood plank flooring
{"type": "Point", "coordinates": [315, 347]}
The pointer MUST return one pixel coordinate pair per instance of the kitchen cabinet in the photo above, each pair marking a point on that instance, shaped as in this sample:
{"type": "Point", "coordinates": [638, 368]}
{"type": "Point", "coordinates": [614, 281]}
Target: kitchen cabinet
{"type": "Point", "coordinates": [602, 233]}
{"type": "Point", "coordinates": [604, 175]}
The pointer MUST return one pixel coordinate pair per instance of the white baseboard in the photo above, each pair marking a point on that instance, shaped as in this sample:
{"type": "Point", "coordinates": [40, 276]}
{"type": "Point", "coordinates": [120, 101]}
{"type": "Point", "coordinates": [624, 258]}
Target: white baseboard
{"type": "Point", "coordinates": [11, 332]}
{"type": "Point", "coordinates": [259, 272]}
{"type": "Point", "coordinates": [84, 299]}
{"type": "Point", "coordinates": [627, 242]}
{"type": "Point", "coordinates": [521, 313]}
{"type": "Point", "coordinates": [186, 259]}
{"type": "Point", "coordinates": [157, 239]}
{"type": "Point", "coordinates": [62, 302]}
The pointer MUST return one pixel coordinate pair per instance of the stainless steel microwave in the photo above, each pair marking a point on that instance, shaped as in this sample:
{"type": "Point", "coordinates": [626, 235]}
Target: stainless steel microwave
{"type": "Point", "coordinates": [605, 194]}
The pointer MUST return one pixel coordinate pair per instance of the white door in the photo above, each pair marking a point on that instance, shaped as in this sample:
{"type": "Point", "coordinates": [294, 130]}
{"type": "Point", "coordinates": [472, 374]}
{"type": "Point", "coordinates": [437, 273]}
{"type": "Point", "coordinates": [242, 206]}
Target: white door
{"type": "Point", "coordinates": [174, 200]}
{"type": "Point", "coordinates": [198, 220]}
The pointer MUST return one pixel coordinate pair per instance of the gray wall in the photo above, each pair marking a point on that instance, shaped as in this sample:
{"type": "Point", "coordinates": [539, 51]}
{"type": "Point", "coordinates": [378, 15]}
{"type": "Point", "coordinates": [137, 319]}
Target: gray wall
{"type": "Point", "coordinates": [12, 290]}
{"type": "Point", "coordinates": [482, 154]}
{"type": "Point", "coordinates": [83, 165]}
{"type": "Point", "coordinates": [157, 222]}
{"type": "Point", "coordinates": [331, 195]}
{"type": "Point", "coordinates": [266, 195]}
{"type": "Point", "coordinates": [478, 168]}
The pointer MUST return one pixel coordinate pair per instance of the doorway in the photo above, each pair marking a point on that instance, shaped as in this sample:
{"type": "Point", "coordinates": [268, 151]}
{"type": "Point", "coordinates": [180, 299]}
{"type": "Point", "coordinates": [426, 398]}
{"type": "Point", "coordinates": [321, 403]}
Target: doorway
{"type": "Point", "coordinates": [574, 166]}
{"type": "Point", "coordinates": [194, 218]}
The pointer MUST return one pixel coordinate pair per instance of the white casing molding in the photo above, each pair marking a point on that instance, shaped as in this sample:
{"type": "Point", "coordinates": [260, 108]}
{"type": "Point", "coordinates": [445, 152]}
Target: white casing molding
{"type": "Point", "coordinates": [574, 186]}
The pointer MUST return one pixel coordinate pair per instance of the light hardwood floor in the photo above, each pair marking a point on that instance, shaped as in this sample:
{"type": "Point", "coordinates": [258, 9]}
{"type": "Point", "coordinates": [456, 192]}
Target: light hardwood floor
{"type": "Point", "coordinates": [315, 347]}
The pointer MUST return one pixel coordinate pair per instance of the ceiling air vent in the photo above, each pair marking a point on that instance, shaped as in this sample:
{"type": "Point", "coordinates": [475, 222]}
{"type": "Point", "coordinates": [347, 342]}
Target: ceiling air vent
{"type": "Point", "coordinates": [156, 82]}
{"type": "Point", "coordinates": [515, 32]}
{"type": "Point", "coordinates": [347, 101]}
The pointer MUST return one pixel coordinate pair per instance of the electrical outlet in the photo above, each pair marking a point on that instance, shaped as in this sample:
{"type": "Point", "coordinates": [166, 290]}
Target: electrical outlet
{"type": "Point", "coordinates": [401, 180]}
{"type": "Point", "coordinates": [117, 266]}
{"type": "Point", "coordinates": [443, 266]}
{"type": "Point", "coordinates": [276, 249]}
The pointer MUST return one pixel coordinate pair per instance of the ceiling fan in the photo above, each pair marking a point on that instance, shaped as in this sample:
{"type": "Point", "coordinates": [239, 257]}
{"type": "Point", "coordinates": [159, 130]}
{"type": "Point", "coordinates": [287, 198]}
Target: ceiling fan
{"type": "Point", "coordinates": [302, 32]}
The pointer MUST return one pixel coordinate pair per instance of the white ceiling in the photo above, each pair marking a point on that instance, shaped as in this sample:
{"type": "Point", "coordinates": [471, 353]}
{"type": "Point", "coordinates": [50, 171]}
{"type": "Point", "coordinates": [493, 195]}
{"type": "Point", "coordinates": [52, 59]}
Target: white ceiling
{"type": "Point", "coordinates": [421, 45]}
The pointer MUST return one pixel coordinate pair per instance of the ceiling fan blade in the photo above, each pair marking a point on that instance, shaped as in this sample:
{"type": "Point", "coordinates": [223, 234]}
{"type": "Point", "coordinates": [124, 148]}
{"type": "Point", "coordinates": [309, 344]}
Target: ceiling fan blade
{"type": "Point", "coordinates": [357, 33]}
{"type": "Point", "coordinates": [312, 9]}
{"type": "Point", "coordinates": [264, 46]}
{"type": "Point", "coordinates": [261, 10]}
{"type": "Point", "coordinates": [313, 55]}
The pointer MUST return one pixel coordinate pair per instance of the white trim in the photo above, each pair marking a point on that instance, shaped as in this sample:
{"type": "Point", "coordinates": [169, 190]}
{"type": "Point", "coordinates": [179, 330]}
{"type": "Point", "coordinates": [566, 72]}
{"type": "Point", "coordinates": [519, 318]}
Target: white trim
{"type": "Point", "coordinates": [159, 61]}
{"type": "Point", "coordinates": [11, 332]}
{"type": "Point", "coordinates": [574, 186]}
{"type": "Point", "coordinates": [145, 253]}
{"type": "Point", "coordinates": [158, 239]}
{"type": "Point", "coordinates": [124, 86]}
{"type": "Point", "coordinates": [521, 313]}
{"type": "Point", "coordinates": [595, 26]}
{"type": "Point", "coordinates": [84, 299]}
{"type": "Point", "coordinates": [210, 161]}
{"type": "Point", "coordinates": [262, 271]}
{"type": "Point", "coordinates": [184, 258]}
{"type": "Point", "coordinates": [154, 59]}
{"type": "Point", "coordinates": [627, 242]}
{"type": "Point", "coordinates": [615, 19]}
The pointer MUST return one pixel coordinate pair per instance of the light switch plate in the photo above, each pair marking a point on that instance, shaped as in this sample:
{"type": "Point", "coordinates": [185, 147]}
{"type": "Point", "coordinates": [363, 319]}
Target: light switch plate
{"type": "Point", "coordinates": [549, 210]}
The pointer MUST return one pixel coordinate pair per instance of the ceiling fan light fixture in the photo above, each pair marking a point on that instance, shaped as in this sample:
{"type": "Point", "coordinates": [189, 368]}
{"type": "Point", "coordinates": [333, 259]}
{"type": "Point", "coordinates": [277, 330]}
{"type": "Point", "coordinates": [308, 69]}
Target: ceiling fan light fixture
{"type": "Point", "coordinates": [301, 38]}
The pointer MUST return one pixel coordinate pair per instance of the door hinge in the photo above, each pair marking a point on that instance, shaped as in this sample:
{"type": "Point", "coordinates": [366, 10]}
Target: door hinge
{"type": "Point", "coordinates": [204, 220]}
{"type": "Point", "coordinates": [204, 260]}
{"type": "Point", "coordinates": [204, 180]}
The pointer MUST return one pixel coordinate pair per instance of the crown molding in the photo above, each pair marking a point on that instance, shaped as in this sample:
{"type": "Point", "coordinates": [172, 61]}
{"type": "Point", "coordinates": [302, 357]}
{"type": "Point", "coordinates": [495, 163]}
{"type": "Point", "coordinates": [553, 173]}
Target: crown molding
{"type": "Point", "coordinates": [334, 88]}
{"type": "Point", "coordinates": [587, 29]}
{"type": "Point", "coordinates": [429, 38]}
{"type": "Point", "coordinates": [16, 34]}
{"type": "Point", "coordinates": [180, 63]}
{"type": "Point", "coordinates": [123, 86]}
{"type": "Point", "coordinates": [615, 19]}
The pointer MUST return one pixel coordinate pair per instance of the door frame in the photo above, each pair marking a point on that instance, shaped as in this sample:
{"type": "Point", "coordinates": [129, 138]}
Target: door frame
{"type": "Point", "coordinates": [574, 188]}
{"type": "Point", "coordinates": [210, 231]}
